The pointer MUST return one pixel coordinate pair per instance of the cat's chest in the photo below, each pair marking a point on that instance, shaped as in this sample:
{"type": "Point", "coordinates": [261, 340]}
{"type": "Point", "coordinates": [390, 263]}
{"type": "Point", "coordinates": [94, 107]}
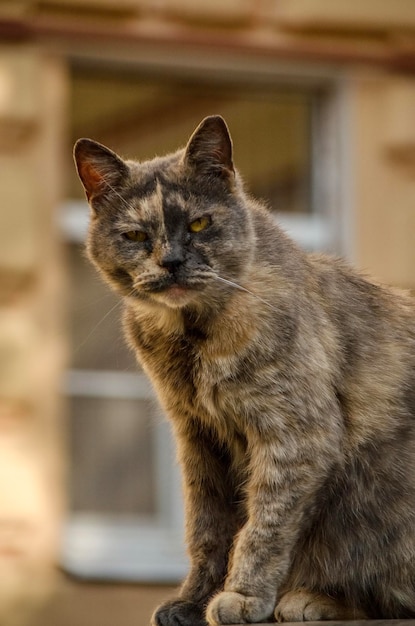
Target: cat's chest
{"type": "Point", "coordinates": [190, 378]}
{"type": "Point", "coordinates": [216, 382]}
{"type": "Point", "coordinates": [217, 400]}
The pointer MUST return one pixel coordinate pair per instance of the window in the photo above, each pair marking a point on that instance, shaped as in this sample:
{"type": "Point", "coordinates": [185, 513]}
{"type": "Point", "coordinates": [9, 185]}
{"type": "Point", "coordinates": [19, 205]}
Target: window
{"type": "Point", "coordinates": [126, 515]}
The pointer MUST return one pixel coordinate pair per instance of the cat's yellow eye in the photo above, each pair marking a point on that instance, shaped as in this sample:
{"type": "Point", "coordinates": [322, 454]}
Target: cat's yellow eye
{"type": "Point", "coordinates": [136, 235]}
{"type": "Point", "coordinates": [200, 224]}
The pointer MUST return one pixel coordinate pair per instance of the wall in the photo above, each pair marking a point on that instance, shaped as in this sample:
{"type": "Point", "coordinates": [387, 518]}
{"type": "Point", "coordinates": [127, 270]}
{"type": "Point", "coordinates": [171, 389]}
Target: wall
{"type": "Point", "coordinates": [383, 175]}
{"type": "Point", "coordinates": [32, 344]}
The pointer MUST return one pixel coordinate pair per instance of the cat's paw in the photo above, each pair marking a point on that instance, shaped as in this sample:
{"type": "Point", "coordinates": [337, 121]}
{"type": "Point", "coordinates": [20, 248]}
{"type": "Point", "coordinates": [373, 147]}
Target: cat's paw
{"type": "Point", "coordinates": [229, 607]}
{"type": "Point", "coordinates": [302, 605]}
{"type": "Point", "coordinates": [179, 613]}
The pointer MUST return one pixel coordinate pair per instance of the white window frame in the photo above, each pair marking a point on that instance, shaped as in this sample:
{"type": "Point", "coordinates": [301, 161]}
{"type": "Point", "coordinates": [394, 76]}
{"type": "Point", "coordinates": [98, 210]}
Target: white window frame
{"type": "Point", "coordinates": [104, 547]}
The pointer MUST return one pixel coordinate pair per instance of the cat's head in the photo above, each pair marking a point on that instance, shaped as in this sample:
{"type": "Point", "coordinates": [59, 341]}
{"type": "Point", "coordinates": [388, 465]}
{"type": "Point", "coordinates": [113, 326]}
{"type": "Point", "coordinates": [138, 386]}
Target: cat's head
{"type": "Point", "coordinates": [166, 230]}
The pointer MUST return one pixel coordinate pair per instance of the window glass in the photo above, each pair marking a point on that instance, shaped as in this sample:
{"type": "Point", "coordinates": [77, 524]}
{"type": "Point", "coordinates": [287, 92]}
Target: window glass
{"type": "Point", "coordinates": [112, 446]}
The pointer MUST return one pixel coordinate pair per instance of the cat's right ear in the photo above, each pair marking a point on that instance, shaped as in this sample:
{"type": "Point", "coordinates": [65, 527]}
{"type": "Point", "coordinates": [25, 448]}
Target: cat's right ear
{"type": "Point", "coordinates": [99, 168]}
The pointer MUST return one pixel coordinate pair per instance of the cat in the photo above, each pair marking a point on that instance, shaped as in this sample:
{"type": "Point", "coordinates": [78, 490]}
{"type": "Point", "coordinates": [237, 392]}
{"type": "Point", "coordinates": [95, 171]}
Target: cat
{"type": "Point", "coordinates": [289, 380]}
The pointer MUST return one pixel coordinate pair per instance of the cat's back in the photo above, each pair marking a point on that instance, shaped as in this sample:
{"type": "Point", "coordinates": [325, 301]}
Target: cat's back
{"type": "Point", "coordinates": [358, 302]}
{"type": "Point", "coordinates": [375, 332]}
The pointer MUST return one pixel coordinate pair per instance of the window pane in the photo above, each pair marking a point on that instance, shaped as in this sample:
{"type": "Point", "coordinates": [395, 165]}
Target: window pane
{"type": "Point", "coordinates": [112, 444]}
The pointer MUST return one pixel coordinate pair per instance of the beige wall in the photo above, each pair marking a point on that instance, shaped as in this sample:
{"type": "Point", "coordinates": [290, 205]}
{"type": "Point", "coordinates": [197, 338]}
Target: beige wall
{"type": "Point", "coordinates": [383, 174]}
{"type": "Point", "coordinates": [32, 343]}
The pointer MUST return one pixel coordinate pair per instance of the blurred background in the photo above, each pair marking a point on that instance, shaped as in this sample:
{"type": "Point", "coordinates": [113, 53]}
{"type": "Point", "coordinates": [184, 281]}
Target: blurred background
{"type": "Point", "coordinates": [320, 100]}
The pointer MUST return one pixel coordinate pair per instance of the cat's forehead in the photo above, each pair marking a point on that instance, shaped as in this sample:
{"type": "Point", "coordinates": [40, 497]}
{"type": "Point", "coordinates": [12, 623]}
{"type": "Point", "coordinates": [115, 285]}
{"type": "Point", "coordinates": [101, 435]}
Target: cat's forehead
{"type": "Point", "coordinates": [170, 166]}
{"type": "Point", "coordinates": [160, 176]}
{"type": "Point", "coordinates": [155, 200]}
{"type": "Point", "coordinates": [158, 184]}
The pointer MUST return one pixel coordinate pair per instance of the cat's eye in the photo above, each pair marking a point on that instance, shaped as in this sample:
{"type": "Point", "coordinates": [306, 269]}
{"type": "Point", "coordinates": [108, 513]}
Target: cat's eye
{"type": "Point", "coordinates": [199, 224]}
{"type": "Point", "coordinates": [136, 235]}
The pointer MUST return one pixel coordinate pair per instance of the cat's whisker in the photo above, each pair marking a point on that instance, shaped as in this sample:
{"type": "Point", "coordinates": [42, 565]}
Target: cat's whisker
{"type": "Point", "coordinates": [251, 293]}
{"type": "Point", "coordinates": [93, 303]}
{"type": "Point", "coordinates": [98, 324]}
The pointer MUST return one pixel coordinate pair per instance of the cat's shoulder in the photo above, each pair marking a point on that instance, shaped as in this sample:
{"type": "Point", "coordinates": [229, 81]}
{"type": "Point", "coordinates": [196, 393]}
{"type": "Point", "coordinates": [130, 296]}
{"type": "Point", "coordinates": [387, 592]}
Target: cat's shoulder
{"type": "Point", "coordinates": [337, 278]}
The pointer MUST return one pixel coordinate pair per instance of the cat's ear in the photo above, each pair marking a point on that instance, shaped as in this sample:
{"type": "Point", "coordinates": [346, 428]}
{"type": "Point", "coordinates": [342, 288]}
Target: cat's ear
{"type": "Point", "coordinates": [210, 148]}
{"type": "Point", "coordinates": [99, 168]}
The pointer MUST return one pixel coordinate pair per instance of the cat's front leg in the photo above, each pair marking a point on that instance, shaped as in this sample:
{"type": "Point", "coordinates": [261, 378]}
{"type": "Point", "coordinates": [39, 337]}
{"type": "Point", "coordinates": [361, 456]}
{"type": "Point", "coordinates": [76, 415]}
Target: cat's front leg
{"type": "Point", "coordinates": [282, 484]}
{"type": "Point", "coordinates": [211, 521]}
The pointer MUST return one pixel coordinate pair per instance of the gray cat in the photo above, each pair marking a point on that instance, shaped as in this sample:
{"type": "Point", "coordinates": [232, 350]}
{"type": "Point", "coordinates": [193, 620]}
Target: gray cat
{"type": "Point", "coordinates": [289, 380]}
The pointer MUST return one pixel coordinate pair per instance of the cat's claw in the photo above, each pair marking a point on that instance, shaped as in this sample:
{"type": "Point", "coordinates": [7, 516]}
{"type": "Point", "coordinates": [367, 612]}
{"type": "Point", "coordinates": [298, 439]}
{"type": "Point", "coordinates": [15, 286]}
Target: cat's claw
{"type": "Point", "coordinates": [230, 607]}
{"type": "Point", "coordinates": [178, 613]}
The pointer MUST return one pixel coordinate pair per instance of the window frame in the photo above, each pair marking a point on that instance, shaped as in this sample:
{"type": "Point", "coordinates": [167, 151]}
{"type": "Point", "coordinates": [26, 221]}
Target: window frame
{"type": "Point", "coordinates": [104, 547]}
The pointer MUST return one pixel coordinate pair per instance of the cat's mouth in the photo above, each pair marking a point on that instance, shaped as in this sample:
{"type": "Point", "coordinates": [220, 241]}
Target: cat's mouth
{"type": "Point", "coordinates": [166, 285]}
{"type": "Point", "coordinates": [170, 289]}
{"type": "Point", "coordinates": [173, 283]}
{"type": "Point", "coordinates": [174, 294]}
{"type": "Point", "coordinates": [176, 290]}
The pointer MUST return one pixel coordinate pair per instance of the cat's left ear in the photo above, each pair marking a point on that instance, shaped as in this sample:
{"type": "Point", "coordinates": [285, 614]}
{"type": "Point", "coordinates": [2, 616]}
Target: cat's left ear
{"type": "Point", "coordinates": [209, 150]}
{"type": "Point", "coordinates": [99, 168]}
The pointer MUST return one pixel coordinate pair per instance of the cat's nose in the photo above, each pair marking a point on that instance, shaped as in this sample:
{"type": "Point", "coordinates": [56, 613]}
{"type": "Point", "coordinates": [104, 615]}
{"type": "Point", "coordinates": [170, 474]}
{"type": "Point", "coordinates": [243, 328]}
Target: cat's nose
{"type": "Point", "coordinates": [171, 260]}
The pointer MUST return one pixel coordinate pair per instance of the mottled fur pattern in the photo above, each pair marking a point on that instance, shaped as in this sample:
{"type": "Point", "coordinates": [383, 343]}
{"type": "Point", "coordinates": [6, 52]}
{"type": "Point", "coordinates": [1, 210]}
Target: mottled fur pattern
{"type": "Point", "coordinates": [288, 379]}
